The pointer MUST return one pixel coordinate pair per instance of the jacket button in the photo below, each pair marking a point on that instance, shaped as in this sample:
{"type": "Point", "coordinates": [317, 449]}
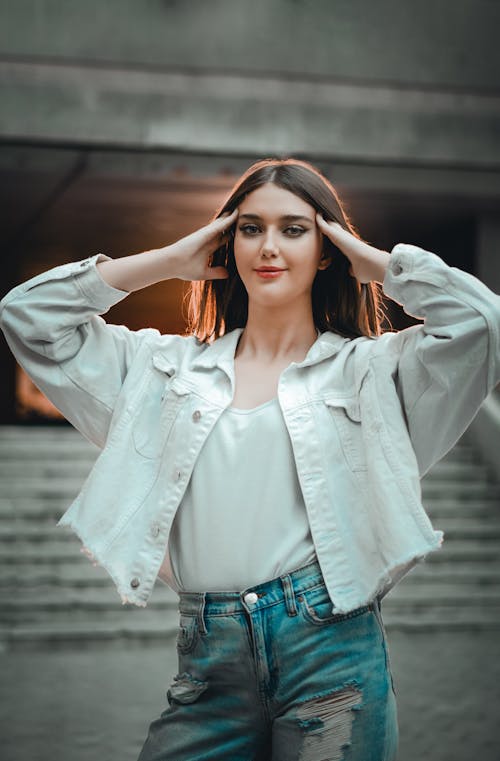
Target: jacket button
{"type": "Point", "coordinates": [397, 268]}
{"type": "Point", "coordinates": [134, 582]}
{"type": "Point", "coordinates": [196, 415]}
{"type": "Point", "coordinates": [155, 529]}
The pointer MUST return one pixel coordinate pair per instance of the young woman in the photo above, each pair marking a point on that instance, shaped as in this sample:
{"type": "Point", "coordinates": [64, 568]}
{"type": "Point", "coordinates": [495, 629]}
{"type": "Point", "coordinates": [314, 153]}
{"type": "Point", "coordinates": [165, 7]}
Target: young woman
{"type": "Point", "coordinates": [267, 464]}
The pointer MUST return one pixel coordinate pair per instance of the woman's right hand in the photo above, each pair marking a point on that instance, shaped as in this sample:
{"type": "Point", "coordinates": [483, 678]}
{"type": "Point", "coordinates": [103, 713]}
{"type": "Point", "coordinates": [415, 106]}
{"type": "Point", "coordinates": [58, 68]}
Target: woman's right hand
{"type": "Point", "coordinates": [187, 259]}
{"type": "Point", "coordinates": [189, 256]}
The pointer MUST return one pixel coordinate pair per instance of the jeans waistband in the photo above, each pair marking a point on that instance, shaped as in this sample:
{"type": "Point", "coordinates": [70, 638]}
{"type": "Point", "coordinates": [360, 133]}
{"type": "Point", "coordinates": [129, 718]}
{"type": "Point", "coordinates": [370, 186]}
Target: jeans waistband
{"type": "Point", "coordinates": [263, 595]}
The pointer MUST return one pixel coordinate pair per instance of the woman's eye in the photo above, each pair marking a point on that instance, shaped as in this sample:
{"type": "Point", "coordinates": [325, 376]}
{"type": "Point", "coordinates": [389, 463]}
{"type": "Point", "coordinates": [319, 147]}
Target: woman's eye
{"type": "Point", "coordinates": [292, 230]}
{"type": "Point", "coordinates": [249, 229]}
{"type": "Point", "coordinates": [295, 230]}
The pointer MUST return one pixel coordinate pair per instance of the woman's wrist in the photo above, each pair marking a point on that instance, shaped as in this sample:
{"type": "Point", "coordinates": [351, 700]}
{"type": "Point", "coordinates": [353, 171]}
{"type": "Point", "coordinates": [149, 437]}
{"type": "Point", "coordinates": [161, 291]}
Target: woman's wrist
{"type": "Point", "coordinates": [368, 263]}
{"type": "Point", "coordinates": [377, 266]}
{"type": "Point", "coordinates": [136, 271]}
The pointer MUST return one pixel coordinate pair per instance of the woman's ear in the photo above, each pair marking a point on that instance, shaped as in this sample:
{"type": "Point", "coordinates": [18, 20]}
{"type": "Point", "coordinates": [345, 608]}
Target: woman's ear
{"type": "Point", "coordinates": [325, 261]}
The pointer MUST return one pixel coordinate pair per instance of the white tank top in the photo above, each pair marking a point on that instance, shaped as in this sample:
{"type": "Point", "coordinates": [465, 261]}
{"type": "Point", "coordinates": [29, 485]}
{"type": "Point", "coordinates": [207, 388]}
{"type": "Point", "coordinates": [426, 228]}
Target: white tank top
{"type": "Point", "coordinates": [242, 519]}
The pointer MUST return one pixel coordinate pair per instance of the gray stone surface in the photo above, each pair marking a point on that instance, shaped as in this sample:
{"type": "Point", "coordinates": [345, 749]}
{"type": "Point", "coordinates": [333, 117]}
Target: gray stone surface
{"type": "Point", "coordinates": [450, 43]}
{"type": "Point", "coordinates": [52, 597]}
{"type": "Point", "coordinates": [389, 82]}
{"type": "Point", "coordinates": [96, 706]}
{"type": "Point", "coordinates": [82, 675]}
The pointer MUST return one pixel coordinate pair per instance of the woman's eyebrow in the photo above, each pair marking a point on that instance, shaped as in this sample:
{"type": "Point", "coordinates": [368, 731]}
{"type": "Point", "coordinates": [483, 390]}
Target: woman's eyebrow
{"type": "Point", "coordinates": [284, 218]}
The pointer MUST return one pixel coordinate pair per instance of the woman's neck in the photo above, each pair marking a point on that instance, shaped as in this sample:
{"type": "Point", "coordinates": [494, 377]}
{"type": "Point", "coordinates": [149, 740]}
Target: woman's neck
{"type": "Point", "coordinates": [272, 335]}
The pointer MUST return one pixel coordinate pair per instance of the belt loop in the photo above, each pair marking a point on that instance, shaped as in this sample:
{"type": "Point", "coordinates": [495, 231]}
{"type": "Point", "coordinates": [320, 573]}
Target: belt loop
{"type": "Point", "coordinates": [286, 582]}
{"type": "Point", "coordinates": [201, 613]}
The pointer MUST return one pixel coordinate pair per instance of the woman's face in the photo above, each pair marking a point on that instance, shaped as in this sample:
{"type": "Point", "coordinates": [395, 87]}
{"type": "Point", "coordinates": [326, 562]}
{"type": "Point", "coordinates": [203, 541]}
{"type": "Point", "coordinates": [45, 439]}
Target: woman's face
{"type": "Point", "coordinates": [277, 229]}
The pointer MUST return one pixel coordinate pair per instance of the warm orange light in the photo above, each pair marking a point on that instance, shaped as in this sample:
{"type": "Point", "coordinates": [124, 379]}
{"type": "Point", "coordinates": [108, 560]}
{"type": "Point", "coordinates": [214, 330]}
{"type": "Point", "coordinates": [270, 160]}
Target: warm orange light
{"type": "Point", "coordinates": [30, 400]}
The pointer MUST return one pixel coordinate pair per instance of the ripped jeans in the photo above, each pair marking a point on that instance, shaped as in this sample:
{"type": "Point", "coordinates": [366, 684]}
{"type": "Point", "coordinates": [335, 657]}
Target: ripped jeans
{"type": "Point", "coordinates": [270, 674]}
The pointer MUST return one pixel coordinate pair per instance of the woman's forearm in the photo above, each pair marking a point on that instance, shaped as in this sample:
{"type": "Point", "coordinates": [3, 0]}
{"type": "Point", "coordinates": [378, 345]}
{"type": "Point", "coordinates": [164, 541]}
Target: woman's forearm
{"type": "Point", "coordinates": [131, 273]}
{"type": "Point", "coordinates": [186, 259]}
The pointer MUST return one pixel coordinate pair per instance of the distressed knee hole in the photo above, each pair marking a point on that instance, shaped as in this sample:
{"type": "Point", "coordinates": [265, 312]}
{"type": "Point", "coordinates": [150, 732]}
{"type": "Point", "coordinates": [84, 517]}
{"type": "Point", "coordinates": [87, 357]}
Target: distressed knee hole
{"type": "Point", "coordinates": [185, 689]}
{"type": "Point", "coordinates": [326, 724]}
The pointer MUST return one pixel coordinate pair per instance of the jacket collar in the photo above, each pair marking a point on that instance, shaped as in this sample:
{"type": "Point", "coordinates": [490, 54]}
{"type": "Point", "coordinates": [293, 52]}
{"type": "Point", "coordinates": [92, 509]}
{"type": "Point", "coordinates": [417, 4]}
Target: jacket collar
{"type": "Point", "coordinates": [220, 353]}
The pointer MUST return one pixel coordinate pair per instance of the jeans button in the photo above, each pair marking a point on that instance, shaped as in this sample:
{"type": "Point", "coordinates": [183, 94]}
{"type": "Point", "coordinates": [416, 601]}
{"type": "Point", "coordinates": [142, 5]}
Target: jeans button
{"type": "Point", "coordinates": [250, 598]}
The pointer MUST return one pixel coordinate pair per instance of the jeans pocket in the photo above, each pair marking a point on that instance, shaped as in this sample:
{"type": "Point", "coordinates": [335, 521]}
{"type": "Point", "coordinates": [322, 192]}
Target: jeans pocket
{"type": "Point", "coordinates": [187, 633]}
{"type": "Point", "coordinates": [317, 608]}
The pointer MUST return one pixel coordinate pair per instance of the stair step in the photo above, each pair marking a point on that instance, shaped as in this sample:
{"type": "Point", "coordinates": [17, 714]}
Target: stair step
{"type": "Point", "coordinates": [54, 551]}
{"type": "Point", "coordinates": [50, 552]}
{"type": "Point", "coordinates": [440, 593]}
{"type": "Point", "coordinates": [473, 550]}
{"type": "Point", "coordinates": [33, 509]}
{"type": "Point", "coordinates": [468, 575]}
{"type": "Point", "coordinates": [446, 619]}
{"type": "Point", "coordinates": [69, 486]}
{"type": "Point", "coordinates": [455, 528]}
{"type": "Point", "coordinates": [60, 575]}
{"type": "Point", "coordinates": [22, 433]}
{"type": "Point", "coordinates": [469, 527]}
{"type": "Point", "coordinates": [435, 489]}
{"type": "Point", "coordinates": [463, 527]}
{"type": "Point", "coordinates": [52, 596]}
{"type": "Point", "coordinates": [77, 605]}
{"type": "Point", "coordinates": [70, 575]}
{"type": "Point", "coordinates": [150, 628]}
{"type": "Point", "coordinates": [77, 469]}
{"type": "Point", "coordinates": [73, 605]}
{"type": "Point", "coordinates": [41, 488]}
{"type": "Point", "coordinates": [458, 471]}
{"type": "Point", "coordinates": [49, 511]}
{"type": "Point", "coordinates": [57, 462]}
{"type": "Point", "coordinates": [452, 507]}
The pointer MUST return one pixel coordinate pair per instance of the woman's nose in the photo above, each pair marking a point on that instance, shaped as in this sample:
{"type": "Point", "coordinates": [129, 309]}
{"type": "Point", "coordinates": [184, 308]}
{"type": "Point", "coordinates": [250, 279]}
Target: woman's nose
{"type": "Point", "coordinates": [269, 246]}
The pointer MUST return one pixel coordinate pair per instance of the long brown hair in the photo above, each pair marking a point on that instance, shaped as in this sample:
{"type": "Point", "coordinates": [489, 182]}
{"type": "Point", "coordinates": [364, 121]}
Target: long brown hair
{"type": "Point", "coordinates": [340, 302]}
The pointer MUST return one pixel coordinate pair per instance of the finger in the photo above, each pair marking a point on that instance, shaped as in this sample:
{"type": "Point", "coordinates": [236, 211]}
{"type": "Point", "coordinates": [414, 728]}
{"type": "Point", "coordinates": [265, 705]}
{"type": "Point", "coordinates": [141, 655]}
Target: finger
{"type": "Point", "coordinates": [323, 225]}
{"type": "Point", "coordinates": [332, 229]}
{"type": "Point", "coordinates": [330, 223]}
{"type": "Point", "coordinates": [226, 220]}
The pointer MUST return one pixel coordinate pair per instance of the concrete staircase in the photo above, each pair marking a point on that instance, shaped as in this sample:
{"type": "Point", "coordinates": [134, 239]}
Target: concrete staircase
{"type": "Point", "coordinates": [52, 596]}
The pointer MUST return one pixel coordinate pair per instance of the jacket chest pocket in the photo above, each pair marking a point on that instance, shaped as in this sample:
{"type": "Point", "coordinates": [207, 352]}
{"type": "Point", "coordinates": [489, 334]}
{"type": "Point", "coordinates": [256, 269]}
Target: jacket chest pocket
{"type": "Point", "coordinates": [346, 416]}
{"type": "Point", "coordinates": [159, 407]}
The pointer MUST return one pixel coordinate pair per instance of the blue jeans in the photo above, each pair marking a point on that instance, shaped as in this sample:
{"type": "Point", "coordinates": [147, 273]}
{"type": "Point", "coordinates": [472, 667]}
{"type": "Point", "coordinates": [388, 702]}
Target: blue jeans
{"type": "Point", "coordinates": [270, 674]}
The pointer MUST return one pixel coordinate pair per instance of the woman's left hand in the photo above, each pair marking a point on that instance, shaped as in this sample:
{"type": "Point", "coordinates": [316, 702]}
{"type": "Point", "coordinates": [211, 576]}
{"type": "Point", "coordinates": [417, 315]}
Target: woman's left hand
{"type": "Point", "coordinates": [367, 262]}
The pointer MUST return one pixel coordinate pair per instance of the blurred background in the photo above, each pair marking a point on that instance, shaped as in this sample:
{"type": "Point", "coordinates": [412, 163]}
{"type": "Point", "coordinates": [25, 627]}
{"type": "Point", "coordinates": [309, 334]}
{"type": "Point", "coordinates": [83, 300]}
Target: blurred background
{"type": "Point", "coordinates": [123, 125]}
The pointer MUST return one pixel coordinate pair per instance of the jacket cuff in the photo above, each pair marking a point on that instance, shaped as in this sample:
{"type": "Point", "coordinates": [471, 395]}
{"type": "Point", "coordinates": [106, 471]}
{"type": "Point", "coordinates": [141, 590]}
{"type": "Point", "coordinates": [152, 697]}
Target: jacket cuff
{"type": "Point", "coordinates": [99, 293]}
{"type": "Point", "coordinates": [410, 262]}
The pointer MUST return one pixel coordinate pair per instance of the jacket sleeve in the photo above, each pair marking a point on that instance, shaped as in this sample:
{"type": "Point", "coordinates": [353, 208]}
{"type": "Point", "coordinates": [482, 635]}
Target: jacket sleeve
{"type": "Point", "coordinates": [447, 365]}
{"type": "Point", "coordinates": [53, 327]}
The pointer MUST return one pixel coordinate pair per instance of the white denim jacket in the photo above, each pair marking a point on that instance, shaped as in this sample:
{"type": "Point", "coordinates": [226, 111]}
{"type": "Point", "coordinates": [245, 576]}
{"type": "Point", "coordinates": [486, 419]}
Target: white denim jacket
{"type": "Point", "coordinates": [367, 417]}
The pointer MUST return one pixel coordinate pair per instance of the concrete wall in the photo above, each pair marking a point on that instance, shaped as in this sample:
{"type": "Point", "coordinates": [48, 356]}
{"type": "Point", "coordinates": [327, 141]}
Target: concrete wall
{"type": "Point", "coordinates": [450, 44]}
{"type": "Point", "coordinates": [388, 81]}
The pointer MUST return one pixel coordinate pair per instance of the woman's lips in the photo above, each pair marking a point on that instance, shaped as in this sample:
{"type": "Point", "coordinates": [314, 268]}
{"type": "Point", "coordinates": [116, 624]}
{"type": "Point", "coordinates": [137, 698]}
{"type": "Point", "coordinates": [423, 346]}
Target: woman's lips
{"type": "Point", "coordinates": [269, 273]}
